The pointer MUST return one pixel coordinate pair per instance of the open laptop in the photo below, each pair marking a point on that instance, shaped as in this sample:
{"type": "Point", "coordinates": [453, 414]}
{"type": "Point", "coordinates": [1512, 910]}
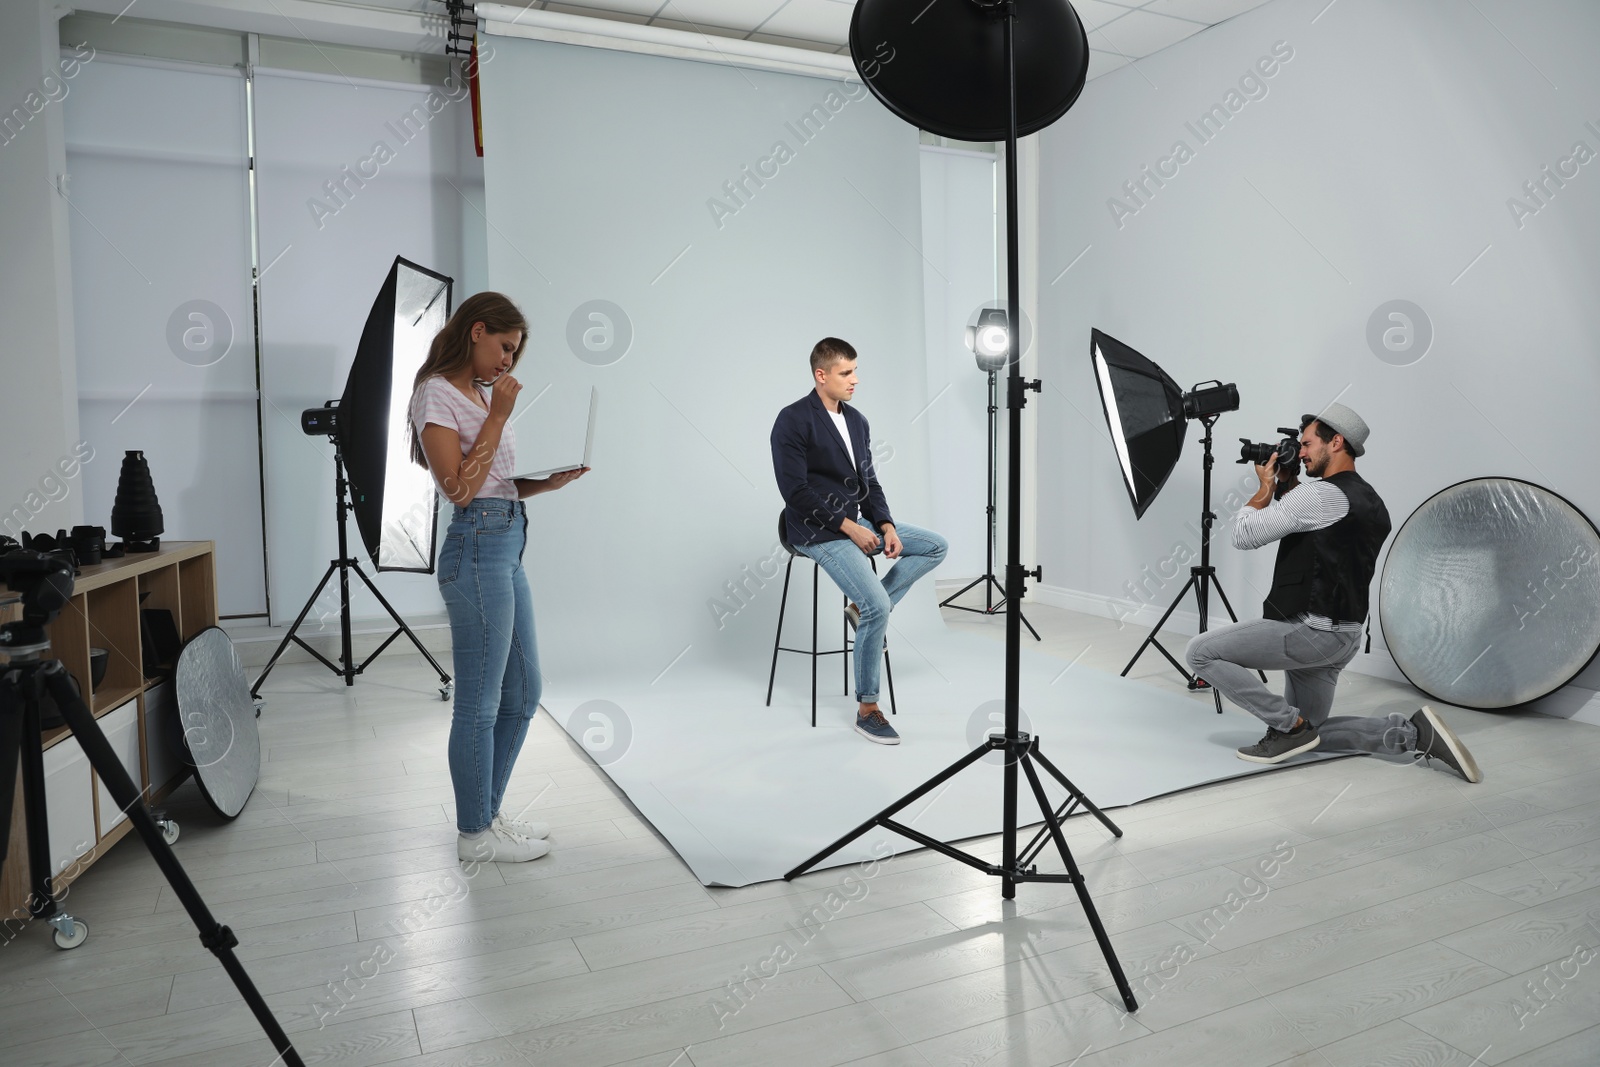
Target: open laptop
{"type": "Point", "coordinates": [588, 442]}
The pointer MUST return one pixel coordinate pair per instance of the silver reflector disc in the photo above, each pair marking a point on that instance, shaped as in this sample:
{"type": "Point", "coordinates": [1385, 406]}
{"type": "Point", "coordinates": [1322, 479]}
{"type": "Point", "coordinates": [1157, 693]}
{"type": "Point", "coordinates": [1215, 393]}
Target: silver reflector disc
{"type": "Point", "coordinates": [218, 719]}
{"type": "Point", "coordinates": [1491, 594]}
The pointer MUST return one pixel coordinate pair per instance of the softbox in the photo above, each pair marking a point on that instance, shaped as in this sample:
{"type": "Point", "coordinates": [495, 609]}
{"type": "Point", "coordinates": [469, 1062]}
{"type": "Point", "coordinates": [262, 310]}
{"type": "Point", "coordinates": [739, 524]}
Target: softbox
{"type": "Point", "coordinates": [393, 498]}
{"type": "Point", "coordinates": [1144, 411]}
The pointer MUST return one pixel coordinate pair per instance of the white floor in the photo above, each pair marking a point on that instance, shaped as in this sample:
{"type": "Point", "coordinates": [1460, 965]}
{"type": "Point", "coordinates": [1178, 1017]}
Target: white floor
{"type": "Point", "coordinates": [1404, 916]}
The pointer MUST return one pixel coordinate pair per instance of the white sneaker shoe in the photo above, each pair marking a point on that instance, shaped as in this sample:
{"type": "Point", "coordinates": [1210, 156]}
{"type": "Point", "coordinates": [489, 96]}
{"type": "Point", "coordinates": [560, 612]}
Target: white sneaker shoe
{"type": "Point", "coordinates": [525, 827]}
{"type": "Point", "coordinates": [499, 845]}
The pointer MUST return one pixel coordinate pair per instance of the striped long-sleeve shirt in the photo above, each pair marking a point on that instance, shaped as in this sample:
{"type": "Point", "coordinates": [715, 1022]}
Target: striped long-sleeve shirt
{"type": "Point", "coordinates": [1308, 506]}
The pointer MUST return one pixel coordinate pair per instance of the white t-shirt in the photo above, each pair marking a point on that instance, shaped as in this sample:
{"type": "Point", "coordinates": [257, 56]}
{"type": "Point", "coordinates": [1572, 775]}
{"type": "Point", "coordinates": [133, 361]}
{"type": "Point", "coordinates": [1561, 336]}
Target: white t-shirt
{"type": "Point", "coordinates": [439, 402]}
{"type": "Point", "coordinates": [844, 432]}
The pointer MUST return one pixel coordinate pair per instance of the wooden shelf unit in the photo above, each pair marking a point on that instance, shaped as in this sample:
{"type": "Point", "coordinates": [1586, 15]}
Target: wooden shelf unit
{"type": "Point", "coordinates": [104, 613]}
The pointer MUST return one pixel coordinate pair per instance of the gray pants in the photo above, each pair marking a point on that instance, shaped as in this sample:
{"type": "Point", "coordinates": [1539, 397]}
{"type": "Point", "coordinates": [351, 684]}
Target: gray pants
{"type": "Point", "coordinates": [1310, 660]}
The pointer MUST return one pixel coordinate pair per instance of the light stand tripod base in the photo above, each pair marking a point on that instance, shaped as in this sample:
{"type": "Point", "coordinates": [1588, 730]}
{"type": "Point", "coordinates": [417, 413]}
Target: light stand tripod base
{"type": "Point", "coordinates": [347, 667]}
{"type": "Point", "coordinates": [1021, 750]}
{"type": "Point", "coordinates": [991, 607]}
{"type": "Point", "coordinates": [1202, 579]}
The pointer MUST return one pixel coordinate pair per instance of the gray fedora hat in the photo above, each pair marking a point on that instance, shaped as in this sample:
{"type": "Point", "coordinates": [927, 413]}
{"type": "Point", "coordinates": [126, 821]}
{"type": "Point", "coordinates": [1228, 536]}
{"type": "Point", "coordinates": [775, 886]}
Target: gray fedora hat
{"type": "Point", "coordinates": [1345, 422]}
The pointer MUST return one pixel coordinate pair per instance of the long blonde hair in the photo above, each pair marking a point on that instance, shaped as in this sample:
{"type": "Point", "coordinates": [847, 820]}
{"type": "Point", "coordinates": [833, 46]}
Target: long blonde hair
{"type": "Point", "coordinates": [452, 346]}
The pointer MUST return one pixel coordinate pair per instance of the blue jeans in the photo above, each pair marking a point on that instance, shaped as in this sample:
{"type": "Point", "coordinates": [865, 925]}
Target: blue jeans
{"type": "Point", "coordinates": [851, 570]}
{"type": "Point", "coordinates": [492, 645]}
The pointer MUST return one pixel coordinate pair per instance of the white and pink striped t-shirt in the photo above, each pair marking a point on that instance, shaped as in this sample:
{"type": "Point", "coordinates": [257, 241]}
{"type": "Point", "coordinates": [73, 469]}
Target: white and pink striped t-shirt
{"type": "Point", "coordinates": [439, 402]}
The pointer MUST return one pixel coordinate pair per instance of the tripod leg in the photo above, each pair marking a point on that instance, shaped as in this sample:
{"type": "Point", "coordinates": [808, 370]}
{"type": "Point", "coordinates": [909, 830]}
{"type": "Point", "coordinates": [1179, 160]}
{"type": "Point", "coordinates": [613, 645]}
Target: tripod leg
{"type": "Point", "coordinates": [1029, 625]}
{"type": "Point", "coordinates": [1074, 790]}
{"type": "Point", "coordinates": [922, 790]}
{"type": "Point", "coordinates": [1157, 627]}
{"type": "Point", "coordinates": [945, 603]}
{"type": "Point", "coordinates": [213, 935]}
{"type": "Point", "coordinates": [443, 677]}
{"type": "Point", "coordinates": [1077, 883]}
{"type": "Point", "coordinates": [255, 690]}
{"type": "Point", "coordinates": [10, 756]}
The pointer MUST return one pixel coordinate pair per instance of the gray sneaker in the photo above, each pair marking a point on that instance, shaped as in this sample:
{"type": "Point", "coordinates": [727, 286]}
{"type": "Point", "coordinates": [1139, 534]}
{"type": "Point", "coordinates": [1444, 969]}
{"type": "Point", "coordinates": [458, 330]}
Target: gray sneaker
{"type": "Point", "coordinates": [1278, 746]}
{"type": "Point", "coordinates": [1436, 741]}
{"type": "Point", "coordinates": [874, 727]}
{"type": "Point", "coordinates": [852, 615]}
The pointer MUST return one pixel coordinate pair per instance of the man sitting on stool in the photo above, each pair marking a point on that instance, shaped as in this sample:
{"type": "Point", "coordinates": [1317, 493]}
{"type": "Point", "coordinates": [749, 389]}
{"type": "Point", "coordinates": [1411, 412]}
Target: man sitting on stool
{"type": "Point", "coordinates": [1329, 533]}
{"type": "Point", "coordinates": [822, 457]}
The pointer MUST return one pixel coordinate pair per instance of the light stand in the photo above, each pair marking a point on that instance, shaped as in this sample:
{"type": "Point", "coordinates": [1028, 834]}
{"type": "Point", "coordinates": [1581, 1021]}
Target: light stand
{"type": "Point", "coordinates": [991, 585]}
{"type": "Point", "coordinates": [26, 643]}
{"type": "Point", "coordinates": [1020, 748]}
{"type": "Point", "coordinates": [347, 668]}
{"type": "Point", "coordinates": [1201, 579]}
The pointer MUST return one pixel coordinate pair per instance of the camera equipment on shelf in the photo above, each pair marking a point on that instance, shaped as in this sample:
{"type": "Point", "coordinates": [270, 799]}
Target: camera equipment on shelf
{"type": "Point", "coordinates": [136, 513]}
{"type": "Point", "coordinates": [45, 584]}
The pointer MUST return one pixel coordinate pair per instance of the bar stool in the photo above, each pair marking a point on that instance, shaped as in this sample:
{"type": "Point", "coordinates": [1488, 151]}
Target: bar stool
{"type": "Point", "coordinates": [813, 651]}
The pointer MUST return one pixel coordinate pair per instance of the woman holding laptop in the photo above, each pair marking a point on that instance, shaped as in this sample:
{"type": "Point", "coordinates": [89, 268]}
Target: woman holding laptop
{"type": "Point", "coordinates": [460, 404]}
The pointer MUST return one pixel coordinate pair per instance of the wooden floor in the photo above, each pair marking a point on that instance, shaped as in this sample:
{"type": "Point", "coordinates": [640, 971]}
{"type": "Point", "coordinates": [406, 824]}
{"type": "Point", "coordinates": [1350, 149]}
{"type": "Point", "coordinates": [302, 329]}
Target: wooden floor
{"type": "Point", "coordinates": [1348, 913]}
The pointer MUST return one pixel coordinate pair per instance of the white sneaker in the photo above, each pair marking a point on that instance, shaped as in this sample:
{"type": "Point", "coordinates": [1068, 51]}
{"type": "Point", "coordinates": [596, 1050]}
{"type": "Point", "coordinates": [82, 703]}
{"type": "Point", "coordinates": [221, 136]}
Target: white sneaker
{"type": "Point", "coordinates": [499, 845]}
{"type": "Point", "coordinates": [525, 827]}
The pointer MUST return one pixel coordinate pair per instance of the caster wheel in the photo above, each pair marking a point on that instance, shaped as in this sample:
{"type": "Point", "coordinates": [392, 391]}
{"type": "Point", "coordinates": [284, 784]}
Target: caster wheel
{"type": "Point", "coordinates": [169, 831]}
{"type": "Point", "coordinates": [80, 933]}
{"type": "Point", "coordinates": [445, 691]}
{"type": "Point", "coordinates": [259, 703]}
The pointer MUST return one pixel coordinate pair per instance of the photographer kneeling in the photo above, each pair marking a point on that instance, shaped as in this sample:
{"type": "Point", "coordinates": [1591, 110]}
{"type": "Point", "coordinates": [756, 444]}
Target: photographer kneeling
{"type": "Point", "coordinates": [1329, 532]}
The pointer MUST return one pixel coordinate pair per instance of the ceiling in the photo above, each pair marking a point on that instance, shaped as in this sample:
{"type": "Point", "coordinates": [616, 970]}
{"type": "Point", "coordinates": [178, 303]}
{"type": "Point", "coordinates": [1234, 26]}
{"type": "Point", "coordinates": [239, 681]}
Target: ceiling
{"type": "Point", "coordinates": [1119, 30]}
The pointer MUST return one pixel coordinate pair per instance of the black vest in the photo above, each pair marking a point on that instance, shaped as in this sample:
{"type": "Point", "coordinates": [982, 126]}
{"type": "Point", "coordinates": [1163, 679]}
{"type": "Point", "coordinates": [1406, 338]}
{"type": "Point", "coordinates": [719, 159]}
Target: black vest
{"type": "Point", "coordinates": [1327, 571]}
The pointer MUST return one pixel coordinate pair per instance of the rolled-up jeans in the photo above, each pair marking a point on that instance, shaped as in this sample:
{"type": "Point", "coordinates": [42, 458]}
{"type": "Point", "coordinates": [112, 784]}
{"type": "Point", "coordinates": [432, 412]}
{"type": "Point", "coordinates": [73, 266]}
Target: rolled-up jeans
{"type": "Point", "coordinates": [492, 646]}
{"type": "Point", "coordinates": [851, 570]}
{"type": "Point", "coordinates": [1310, 659]}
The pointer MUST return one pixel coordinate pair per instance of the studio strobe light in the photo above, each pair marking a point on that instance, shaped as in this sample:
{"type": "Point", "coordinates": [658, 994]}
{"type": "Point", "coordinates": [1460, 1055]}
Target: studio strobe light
{"type": "Point", "coordinates": [988, 336]}
{"type": "Point", "coordinates": [1148, 416]}
{"type": "Point", "coordinates": [392, 498]}
{"type": "Point", "coordinates": [987, 70]}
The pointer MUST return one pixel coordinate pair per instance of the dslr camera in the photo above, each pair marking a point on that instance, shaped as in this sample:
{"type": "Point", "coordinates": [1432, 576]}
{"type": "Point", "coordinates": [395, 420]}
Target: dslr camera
{"type": "Point", "coordinates": [1287, 450]}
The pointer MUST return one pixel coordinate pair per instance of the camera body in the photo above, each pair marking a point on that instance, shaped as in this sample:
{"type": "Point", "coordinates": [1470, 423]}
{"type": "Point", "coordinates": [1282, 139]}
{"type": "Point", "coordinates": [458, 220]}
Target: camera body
{"type": "Point", "coordinates": [1287, 450]}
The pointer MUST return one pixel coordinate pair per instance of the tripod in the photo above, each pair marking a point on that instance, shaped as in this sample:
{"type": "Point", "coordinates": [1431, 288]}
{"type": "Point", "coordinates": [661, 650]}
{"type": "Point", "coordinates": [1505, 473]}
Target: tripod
{"type": "Point", "coordinates": [1201, 579]}
{"type": "Point", "coordinates": [344, 565]}
{"type": "Point", "coordinates": [1021, 749]}
{"type": "Point", "coordinates": [21, 684]}
{"type": "Point", "coordinates": [991, 585]}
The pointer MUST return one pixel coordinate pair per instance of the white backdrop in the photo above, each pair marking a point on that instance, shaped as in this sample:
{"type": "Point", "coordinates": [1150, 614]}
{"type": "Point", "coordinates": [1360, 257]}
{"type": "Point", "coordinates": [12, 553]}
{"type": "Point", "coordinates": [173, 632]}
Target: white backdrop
{"type": "Point", "coordinates": [628, 564]}
{"type": "Point", "coordinates": [1376, 164]}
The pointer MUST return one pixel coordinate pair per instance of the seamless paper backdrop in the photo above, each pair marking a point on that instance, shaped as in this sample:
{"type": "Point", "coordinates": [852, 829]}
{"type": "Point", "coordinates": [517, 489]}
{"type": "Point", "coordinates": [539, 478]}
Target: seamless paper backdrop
{"type": "Point", "coordinates": [657, 577]}
{"type": "Point", "coordinates": [607, 178]}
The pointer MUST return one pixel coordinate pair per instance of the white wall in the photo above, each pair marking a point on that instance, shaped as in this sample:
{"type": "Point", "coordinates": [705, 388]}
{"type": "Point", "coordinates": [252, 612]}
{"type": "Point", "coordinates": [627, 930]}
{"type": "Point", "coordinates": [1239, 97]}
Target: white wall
{"type": "Point", "coordinates": [39, 400]}
{"type": "Point", "coordinates": [1377, 166]}
{"type": "Point", "coordinates": [326, 254]}
{"type": "Point", "coordinates": [959, 275]}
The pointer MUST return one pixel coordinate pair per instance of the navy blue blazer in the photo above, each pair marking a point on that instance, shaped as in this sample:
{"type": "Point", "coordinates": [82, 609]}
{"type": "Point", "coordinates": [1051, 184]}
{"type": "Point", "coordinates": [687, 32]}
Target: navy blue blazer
{"type": "Point", "coordinates": [820, 486]}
